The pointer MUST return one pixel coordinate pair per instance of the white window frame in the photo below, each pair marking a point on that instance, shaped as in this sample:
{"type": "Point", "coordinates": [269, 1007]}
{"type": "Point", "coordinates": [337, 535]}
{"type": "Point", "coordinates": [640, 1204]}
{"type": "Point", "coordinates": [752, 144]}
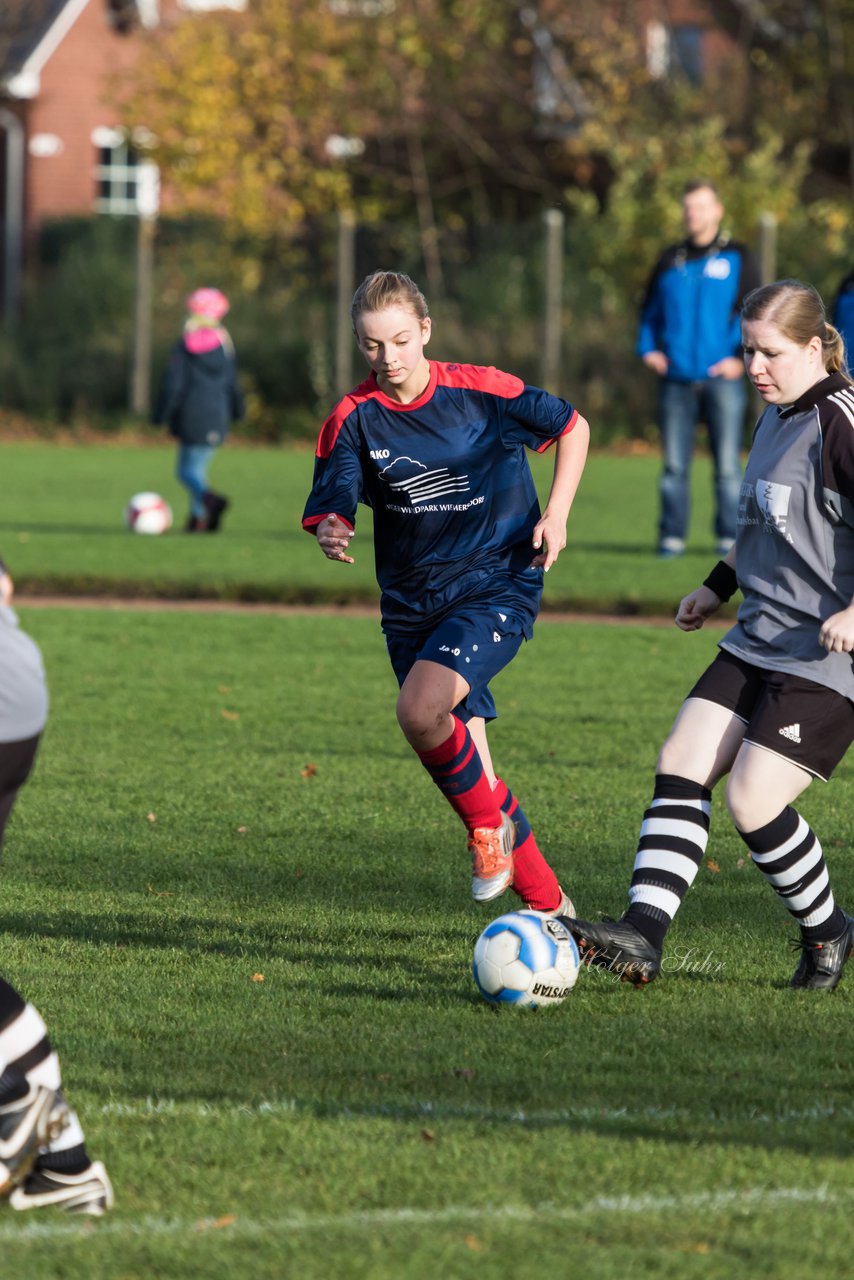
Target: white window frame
{"type": "Point", "coordinates": [117, 169]}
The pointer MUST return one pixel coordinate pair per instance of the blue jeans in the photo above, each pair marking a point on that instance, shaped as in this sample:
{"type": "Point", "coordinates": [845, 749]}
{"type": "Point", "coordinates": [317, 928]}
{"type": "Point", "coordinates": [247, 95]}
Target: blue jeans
{"type": "Point", "coordinates": [192, 472]}
{"type": "Point", "coordinates": [720, 403]}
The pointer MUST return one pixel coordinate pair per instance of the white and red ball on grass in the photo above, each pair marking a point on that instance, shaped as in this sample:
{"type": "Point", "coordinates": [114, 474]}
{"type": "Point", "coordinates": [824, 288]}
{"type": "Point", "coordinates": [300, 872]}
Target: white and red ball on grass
{"type": "Point", "coordinates": [526, 959]}
{"type": "Point", "coordinates": [148, 513]}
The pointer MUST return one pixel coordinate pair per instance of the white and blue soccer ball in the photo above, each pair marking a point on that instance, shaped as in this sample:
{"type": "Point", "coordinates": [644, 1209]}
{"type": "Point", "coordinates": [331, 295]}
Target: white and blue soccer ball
{"type": "Point", "coordinates": [525, 958]}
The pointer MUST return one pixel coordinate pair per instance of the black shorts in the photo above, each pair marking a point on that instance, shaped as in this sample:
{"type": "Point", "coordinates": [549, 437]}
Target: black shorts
{"type": "Point", "coordinates": [805, 722]}
{"type": "Point", "coordinates": [16, 762]}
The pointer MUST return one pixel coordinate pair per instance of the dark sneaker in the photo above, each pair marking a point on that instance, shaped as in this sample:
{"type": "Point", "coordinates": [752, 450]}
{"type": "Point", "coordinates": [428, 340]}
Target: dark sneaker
{"type": "Point", "coordinates": [216, 506]}
{"type": "Point", "coordinates": [821, 963]}
{"type": "Point", "coordinates": [87, 1192]}
{"type": "Point", "coordinates": [26, 1125]}
{"type": "Point", "coordinates": [617, 946]}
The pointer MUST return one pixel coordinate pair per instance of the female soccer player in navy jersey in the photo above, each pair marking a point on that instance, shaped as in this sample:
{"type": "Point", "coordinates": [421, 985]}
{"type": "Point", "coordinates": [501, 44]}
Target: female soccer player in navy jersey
{"type": "Point", "coordinates": [438, 453]}
{"type": "Point", "coordinates": [776, 707]}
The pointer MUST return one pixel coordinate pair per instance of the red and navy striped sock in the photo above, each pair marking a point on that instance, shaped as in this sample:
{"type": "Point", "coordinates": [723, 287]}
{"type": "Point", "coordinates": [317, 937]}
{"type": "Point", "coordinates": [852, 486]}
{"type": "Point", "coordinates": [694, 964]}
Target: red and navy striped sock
{"type": "Point", "coordinates": [533, 878]}
{"type": "Point", "coordinates": [456, 768]}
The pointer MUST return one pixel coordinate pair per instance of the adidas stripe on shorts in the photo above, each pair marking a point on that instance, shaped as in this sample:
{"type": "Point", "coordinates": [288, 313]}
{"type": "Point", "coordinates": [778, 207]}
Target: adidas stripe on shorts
{"type": "Point", "coordinates": [805, 722]}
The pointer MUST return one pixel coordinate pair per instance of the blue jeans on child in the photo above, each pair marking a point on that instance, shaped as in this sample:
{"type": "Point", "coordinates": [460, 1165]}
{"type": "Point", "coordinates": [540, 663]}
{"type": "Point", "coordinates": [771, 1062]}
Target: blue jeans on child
{"type": "Point", "coordinates": [720, 403]}
{"type": "Point", "coordinates": [192, 472]}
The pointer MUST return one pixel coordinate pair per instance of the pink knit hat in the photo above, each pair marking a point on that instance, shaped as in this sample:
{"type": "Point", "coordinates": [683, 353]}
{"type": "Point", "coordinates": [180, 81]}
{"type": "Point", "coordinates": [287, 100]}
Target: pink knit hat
{"type": "Point", "coordinates": [207, 302]}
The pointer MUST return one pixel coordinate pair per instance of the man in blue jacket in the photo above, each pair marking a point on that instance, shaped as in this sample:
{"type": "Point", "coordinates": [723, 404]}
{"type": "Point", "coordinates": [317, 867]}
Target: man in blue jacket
{"type": "Point", "coordinates": [690, 336]}
{"type": "Point", "coordinates": [843, 316]}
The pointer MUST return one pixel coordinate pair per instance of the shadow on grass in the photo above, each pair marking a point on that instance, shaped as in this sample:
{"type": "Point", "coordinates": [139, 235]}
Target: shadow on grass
{"type": "Point", "coordinates": [348, 971]}
{"type": "Point", "coordinates": [222, 937]}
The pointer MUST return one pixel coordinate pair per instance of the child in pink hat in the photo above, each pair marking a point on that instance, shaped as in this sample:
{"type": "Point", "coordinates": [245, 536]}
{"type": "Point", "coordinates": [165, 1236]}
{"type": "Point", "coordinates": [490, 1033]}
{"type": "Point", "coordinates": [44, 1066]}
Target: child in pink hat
{"type": "Point", "coordinates": [200, 397]}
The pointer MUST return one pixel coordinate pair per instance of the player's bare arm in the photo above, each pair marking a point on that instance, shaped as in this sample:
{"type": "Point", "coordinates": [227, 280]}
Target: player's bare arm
{"type": "Point", "coordinates": [549, 536]}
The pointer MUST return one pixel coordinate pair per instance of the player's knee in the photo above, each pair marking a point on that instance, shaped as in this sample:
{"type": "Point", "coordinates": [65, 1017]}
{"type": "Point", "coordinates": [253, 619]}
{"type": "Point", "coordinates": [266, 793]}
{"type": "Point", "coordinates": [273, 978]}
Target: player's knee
{"type": "Point", "coordinates": [671, 759]}
{"type": "Point", "coordinates": [418, 719]}
{"type": "Point", "coordinates": [741, 803]}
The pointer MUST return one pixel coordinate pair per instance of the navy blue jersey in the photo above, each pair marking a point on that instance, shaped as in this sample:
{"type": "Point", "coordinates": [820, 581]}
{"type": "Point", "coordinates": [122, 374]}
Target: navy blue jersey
{"type": "Point", "coordinates": [447, 479]}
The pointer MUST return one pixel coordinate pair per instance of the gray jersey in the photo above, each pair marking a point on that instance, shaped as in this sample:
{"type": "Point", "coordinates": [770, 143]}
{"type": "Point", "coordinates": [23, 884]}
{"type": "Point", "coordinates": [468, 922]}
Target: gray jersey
{"type": "Point", "coordinates": [23, 690]}
{"type": "Point", "coordinates": [794, 551]}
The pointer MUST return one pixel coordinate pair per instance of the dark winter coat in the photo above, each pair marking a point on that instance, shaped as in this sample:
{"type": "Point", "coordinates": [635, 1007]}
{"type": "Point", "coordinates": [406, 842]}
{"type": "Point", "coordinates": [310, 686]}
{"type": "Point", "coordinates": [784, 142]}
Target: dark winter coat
{"type": "Point", "coordinates": [200, 395]}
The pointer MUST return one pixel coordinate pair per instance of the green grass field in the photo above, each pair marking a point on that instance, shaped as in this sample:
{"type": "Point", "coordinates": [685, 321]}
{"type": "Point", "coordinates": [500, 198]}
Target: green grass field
{"type": "Point", "coordinates": [61, 529]}
{"type": "Point", "coordinates": [245, 914]}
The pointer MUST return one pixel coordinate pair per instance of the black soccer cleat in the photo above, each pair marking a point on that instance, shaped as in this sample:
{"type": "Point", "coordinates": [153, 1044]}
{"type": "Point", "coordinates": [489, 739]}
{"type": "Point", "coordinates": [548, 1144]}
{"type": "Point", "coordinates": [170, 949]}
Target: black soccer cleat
{"type": "Point", "coordinates": [821, 963]}
{"type": "Point", "coordinates": [616, 946]}
{"type": "Point", "coordinates": [87, 1192]}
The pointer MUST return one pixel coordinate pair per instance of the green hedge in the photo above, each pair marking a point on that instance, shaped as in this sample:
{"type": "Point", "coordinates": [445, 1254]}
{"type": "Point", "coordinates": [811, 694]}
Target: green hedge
{"type": "Point", "coordinates": [68, 361]}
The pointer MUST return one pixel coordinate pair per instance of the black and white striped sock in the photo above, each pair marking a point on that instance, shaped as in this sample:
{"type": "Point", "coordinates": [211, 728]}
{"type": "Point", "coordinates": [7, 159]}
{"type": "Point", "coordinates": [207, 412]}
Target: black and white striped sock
{"type": "Point", "coordinates": [28, 1058]}
{"type": "Point", "coordinates": [673, 839]}
{"type": "Point", "coordinates": [789, 856]}
{"type": "Point", "coordinates": [24, 1043]}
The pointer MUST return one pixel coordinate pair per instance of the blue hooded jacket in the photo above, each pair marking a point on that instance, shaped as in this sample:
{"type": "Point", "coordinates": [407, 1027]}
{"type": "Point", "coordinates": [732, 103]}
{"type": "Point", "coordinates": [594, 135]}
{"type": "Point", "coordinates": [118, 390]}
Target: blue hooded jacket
{"type": "Point", "coordinates": [843, 316]}
{"type": "Point", "coordinates": [692, 305]}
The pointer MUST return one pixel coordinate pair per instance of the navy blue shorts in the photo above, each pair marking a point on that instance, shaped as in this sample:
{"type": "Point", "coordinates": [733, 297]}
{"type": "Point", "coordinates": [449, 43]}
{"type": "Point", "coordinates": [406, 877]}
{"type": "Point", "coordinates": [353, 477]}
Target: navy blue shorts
{"type": "Point", "coordinates": [477, 641]}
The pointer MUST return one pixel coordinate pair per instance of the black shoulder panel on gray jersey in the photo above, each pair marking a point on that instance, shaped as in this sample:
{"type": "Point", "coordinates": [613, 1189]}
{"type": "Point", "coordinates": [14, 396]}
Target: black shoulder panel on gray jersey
{"type": "Point", "coordinates": [836, 415]}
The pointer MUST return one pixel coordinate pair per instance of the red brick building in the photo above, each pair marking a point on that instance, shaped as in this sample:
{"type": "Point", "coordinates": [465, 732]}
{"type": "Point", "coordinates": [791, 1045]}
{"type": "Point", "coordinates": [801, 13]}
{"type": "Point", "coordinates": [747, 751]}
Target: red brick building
{"type": "Point", "coordinates": [61, 153]}
{"type": "Point", "coordinates": [62, 63]}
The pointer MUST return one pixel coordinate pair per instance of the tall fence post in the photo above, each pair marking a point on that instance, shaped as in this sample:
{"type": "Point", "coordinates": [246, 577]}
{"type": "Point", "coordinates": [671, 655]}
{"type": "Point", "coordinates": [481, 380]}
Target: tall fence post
{"type": "Point", "coordinates": [553, 320]}
{"type": "Point", "coordinates": [13, 216]}
{"type": "Point", "coordinates": [346, 288]}
{"type": "Point", "coordinates": [768, 247]}
{"type": "Point", "coordinates": [147, 205]}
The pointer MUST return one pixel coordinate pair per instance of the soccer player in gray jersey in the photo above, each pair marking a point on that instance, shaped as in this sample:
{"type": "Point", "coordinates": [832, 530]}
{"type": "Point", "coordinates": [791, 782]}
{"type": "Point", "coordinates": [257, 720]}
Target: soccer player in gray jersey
{"type": "Point", "coordinates": [43, 1158]}
{"type": "Point", "coordinates": [776, 707]}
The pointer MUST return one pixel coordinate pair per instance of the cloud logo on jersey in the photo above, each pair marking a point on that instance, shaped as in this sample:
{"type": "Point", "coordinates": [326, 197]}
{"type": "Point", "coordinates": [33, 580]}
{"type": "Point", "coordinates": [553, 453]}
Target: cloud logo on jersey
{"type": "Point", "coordinates": [411, 479]}
{"type": "Point", "coordinates": [773, 502]}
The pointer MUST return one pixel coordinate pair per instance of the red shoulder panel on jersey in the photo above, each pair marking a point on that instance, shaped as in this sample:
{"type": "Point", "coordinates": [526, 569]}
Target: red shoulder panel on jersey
{"type": "Point", "coordinates": [477, 377]}
{"type": "Point", "coordinates": [339, 415]}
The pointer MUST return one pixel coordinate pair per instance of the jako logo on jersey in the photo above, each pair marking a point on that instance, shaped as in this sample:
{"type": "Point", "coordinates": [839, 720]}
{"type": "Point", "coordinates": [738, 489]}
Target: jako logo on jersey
{"type": "Point", "coordinates": [792, 732]}
{"type": "Point", "coordinates": [380, 454]}
{"type": "Point", "coordinates": [717, 269]}
{"type": "Point", "coordinates": [411, 478]}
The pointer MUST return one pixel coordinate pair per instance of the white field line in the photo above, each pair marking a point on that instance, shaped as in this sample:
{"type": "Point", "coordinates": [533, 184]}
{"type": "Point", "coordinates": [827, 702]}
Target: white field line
{"type": "Point", "coordinates": [440, 1111]}
{"type": "Point", "coordinates": [749, 1199]}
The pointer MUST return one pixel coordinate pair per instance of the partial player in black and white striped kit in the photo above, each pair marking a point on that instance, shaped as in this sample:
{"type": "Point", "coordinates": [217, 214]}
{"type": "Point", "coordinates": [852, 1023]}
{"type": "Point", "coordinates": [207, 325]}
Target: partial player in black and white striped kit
{"type": "Point", "coordinates": [776, 707]}
{"type": "Point", "coordinates": [43, 1158]}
